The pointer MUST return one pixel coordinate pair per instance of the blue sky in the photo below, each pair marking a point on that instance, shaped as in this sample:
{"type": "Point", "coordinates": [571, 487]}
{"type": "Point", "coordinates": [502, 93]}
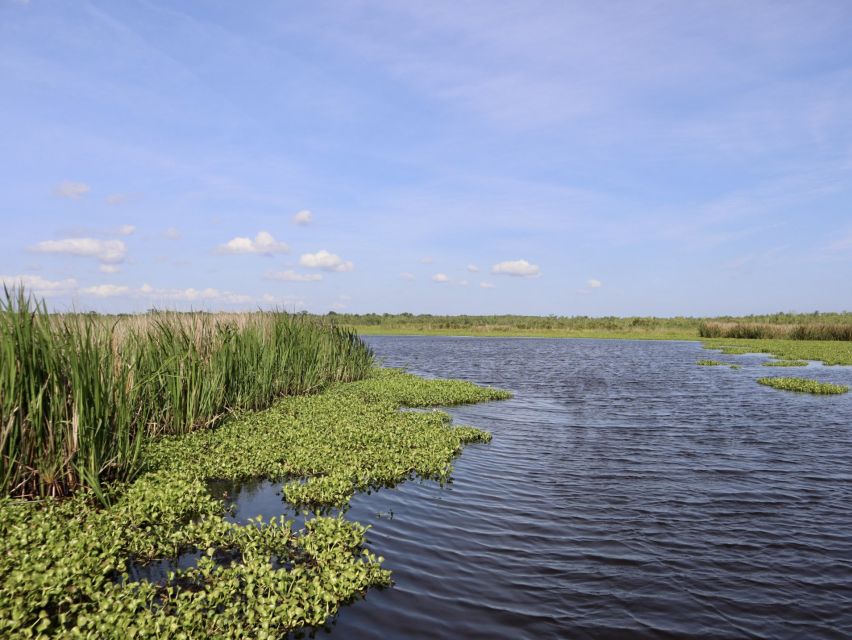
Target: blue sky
{"type": "Point", "coordinates": [434, 157]}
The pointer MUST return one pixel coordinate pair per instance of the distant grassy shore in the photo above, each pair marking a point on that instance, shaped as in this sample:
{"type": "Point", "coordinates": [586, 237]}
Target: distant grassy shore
{"type": "Point", "coordinates": [826, 337]}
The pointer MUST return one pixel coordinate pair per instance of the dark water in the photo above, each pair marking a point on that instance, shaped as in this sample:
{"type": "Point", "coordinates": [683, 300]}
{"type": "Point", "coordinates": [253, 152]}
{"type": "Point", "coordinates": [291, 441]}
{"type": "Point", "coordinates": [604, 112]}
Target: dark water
{"type": "Point", "coordinates": [627, 493]}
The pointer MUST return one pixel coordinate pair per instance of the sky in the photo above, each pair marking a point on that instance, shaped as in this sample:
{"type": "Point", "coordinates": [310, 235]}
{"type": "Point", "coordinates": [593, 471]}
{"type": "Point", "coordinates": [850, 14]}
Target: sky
{"type": "Point", "coordinates": [445, 157]}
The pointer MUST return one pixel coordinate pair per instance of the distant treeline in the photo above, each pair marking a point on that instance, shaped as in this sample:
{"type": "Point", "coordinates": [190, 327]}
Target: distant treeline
{"type": "Point", "coordinates": [554, 323]}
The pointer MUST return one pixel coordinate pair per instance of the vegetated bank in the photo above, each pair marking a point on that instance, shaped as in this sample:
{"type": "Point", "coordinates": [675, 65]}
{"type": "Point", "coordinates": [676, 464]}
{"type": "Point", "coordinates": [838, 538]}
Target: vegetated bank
{"type": "Point", "coordinates": [793, 336]}
{"type": "Point", "coordinates": [552, 326]}
{"type": "Point", "coordinates": [64, 563]}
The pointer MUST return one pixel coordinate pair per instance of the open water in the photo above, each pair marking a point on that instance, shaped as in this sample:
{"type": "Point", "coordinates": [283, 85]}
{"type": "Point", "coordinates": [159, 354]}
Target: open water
{"type": "Point", "coordinates": [627, 493]}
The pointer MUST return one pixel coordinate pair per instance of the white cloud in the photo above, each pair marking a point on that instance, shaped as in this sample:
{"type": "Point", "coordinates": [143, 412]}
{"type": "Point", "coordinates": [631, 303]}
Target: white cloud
{"type": "Point", "coordinates": [109, 268]}
{"type": "Point", "coordinates": [38, 285]}
{"type": "Point", "coordinates": [195, 295]}
{"type": "Point", "coordinates": [427, 260]}
{"type": "Point", "coordinates": [126, 230]}
{"type": "Point", "coordinates": [172, 233]}
{"type": "Point", "coordinates": [264, 244]}
{"type": "Point", "coordinates": [324, 260]}
{"type": "Point", "coordinates": [463, 283]}
{"type": "Point", "coordinates": [440, 277]}
{"type": "Point", "coordinates": [302, 217]}
{"type": "Point", "coordinates": [487, 285]}
{"type": "Point", "coordinates": [105, 290]}
{"type": "Point", "coordinates": [592, 283]}
{"type": "Point", "coordinates": [107, 251]}
{"type": "Point", "coordinates": [293, 276]}
{"type": "Point", "coordinates": [405, 275]}
{"type": "Point", "coordinates": [473, 268]}
{"type": "Point", "coordinates": [116, 199]}
{"type": "Point", "coordinates": [518, 268]}
{"type": "Point", "coordinates": [71, 189]}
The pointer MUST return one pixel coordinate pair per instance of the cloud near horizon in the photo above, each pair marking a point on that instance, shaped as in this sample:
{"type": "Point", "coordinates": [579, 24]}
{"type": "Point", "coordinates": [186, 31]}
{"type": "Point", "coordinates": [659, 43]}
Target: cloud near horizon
{"type": "Point", "coordinates": [38, 285]}
{"type": "Point", "coordinates": [106, 251]}
{"type": "Point", "coordinates": [264, 243]}
{"type": "Point", "coordinates": [293, 276]}
{"type": "Point", "coordinates": [518, 268]}
{"type": "Point", "coordinates": [322, 259]}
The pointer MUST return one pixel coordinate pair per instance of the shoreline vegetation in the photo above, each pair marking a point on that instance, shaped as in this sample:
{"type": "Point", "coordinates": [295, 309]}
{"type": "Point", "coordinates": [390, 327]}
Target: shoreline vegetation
{"type": "Point", "coordinates": [114, 430]}
{"type": "Point", "coordinates": [824, 337]}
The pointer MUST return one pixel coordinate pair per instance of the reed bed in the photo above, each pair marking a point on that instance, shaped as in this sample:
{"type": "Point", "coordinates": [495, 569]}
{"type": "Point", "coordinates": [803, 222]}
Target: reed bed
{"type": "Point", "coordinates": [766, 331]}
{"type": "Point", "coordinates": [79, 394]}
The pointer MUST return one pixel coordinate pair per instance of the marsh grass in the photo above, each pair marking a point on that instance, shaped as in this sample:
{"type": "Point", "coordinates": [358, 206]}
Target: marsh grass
{"type": "Point", "coordinates": [804, 385]}
{"type": "Point", "coordinates": [711, 363]}
{"type": "Point", "coordinates": [79, 394]}
{"type": "Point", "coordinates": [786, 363]}
{"type": "Point", "coordinates": [768, 331]}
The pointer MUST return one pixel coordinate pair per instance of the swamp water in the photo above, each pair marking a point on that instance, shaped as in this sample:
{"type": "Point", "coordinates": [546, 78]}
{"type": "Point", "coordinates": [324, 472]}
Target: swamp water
{"type": "Point", "coordinates": [627, 492]}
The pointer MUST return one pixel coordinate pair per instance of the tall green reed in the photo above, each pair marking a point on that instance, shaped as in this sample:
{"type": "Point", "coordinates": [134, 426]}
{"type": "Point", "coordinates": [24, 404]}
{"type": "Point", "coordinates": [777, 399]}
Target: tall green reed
{"type": "Point", "coordinates": [79, 393]}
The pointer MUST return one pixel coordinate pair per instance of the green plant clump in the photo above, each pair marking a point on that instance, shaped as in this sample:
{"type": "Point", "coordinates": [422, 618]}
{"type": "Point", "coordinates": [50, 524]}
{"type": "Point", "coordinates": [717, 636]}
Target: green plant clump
{"type": "Point", "coordinates": [786, 363]}
{"type": "Point", "coordinates": [804, 385]}
{"type": "Point", "coordinates": [830, 352]}
{"type": "Point", "coordinates": [711, 363]}
{"type": "Point", "coordinates": [81, 394]}
{"type": "Point", "coordinates": [64, 564]}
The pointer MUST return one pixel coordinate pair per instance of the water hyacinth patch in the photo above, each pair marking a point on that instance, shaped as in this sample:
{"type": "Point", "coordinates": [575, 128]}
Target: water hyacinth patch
{"type": "Point", "coordinates": [64, 565]}
{"type": "Point", "coordinates": [804, 385]}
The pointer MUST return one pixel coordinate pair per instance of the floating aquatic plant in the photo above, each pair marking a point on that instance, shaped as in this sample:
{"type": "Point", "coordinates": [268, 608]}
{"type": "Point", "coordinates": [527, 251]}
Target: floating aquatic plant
{"type": "Point", "coordinates": [804, 385]}
{"type": "Point", "coordinates": [65, 564]}
{"type": "Point", "coordinates": [786, 363]}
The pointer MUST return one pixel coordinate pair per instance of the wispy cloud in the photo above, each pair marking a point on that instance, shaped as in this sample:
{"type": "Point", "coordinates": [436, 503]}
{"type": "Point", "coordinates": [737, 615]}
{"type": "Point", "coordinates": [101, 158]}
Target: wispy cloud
{"type": "Point", "coordinates": [105, 290]}
{"type": "Point", "coordinates": [107, 251]}
{"type": "Point", "coordinates": [327, 261]}
{"type": "Point", "coordinates": [518, 268]}
{"type": "Point", "coordinates": [263, 244]}
{"type": "Point", "coordinates": [591, 285]}
{"type": "Point", "coordinates": [405, 275]}
{"type": "Point", "coordinates": [427, 260]}
{"type": "Point", "coordinates": [473, 268]}
{"type": "Point", "coordinates": [71, 189]}
{"type": "Point", "coordinates": [172, 233]}
{"type": "Point", "coordinates": [126, 230]}
{"type": "Point", "coordinates": [293, 276]}
{"type": "Point", "coordinates": [487, 285]}
{"type": "Point", "coordinates": [116, 199]}
{"type": "Point", "coordinates": [194, 295]}
{"type": "Point", "coordinates": [440, 277]}
{"type": "Point", "coordinates": [38, 285]}
{"type": "Point", "coordinates": [302, 217]}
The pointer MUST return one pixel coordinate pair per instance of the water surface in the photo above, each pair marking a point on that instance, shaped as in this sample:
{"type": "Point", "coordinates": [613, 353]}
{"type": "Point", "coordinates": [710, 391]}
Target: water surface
{"type": "Point", "coordinates": [627, 493]}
